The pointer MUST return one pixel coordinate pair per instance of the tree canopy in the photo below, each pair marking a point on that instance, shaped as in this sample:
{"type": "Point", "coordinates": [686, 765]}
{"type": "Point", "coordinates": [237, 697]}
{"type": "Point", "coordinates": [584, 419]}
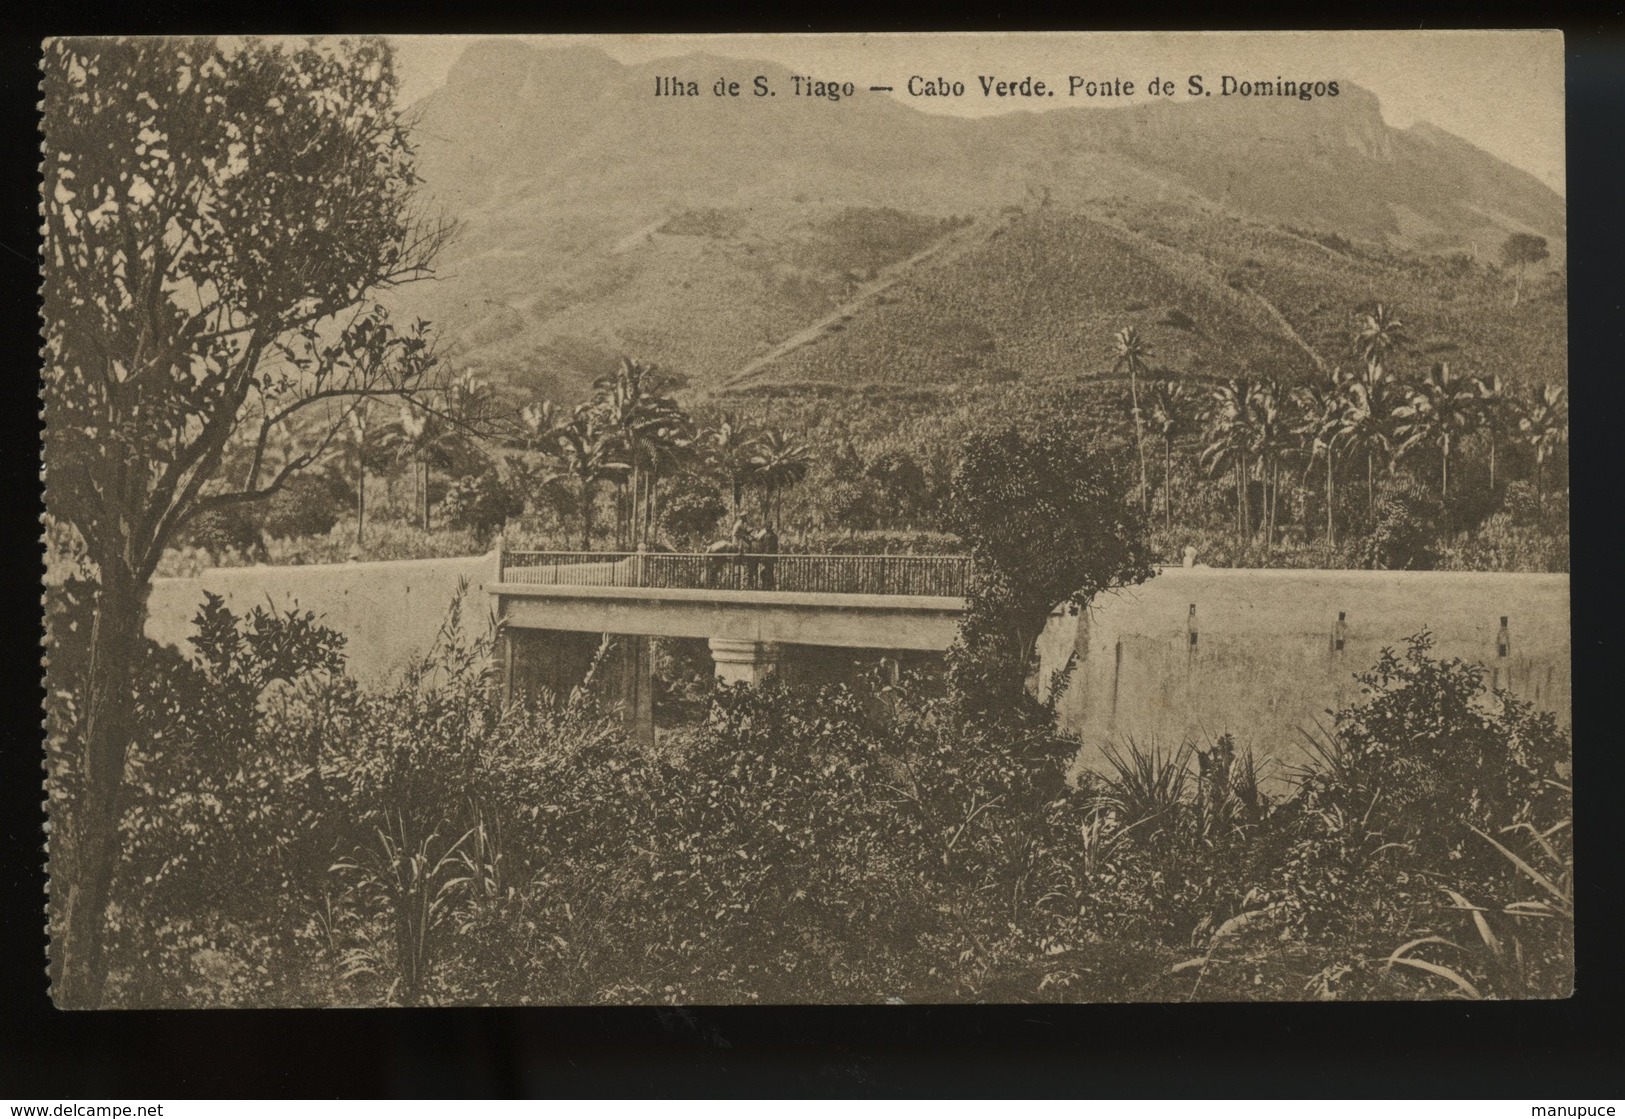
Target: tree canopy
{"type": "Point", "coordinates": [216, 214]}
{"type": "Point", "coordinates": [210, 209]}
{"type": "Point", "coordinates": [1048, 521]}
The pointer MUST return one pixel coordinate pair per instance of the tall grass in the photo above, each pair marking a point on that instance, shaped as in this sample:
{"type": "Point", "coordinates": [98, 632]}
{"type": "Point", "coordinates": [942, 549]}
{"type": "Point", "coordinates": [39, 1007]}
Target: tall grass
{"type": "Point", "coordinates": [1510, 935]}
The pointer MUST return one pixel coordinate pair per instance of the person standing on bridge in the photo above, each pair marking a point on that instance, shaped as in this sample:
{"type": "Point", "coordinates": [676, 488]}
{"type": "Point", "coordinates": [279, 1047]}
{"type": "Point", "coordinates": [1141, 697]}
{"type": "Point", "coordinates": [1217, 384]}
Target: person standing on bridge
{"type": "Point", "coordinates": [767, 547]}
{"type": "Point", "coordinates": [741, 533]}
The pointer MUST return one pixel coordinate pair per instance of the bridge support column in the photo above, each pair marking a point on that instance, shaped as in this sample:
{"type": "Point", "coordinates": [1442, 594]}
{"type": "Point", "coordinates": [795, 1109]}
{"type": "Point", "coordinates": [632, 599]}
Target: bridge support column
{"type": "Point", "coordinates": [633, 686]}
{"type": "Point", "coordinates": [744, 662]}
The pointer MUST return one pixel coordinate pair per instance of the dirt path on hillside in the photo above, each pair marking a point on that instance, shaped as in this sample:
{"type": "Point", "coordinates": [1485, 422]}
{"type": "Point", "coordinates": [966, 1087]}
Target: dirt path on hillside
{"type": "Point", "coordinates": [1215, 275]}
{"type": "Point", "coordinates": [951, 244]}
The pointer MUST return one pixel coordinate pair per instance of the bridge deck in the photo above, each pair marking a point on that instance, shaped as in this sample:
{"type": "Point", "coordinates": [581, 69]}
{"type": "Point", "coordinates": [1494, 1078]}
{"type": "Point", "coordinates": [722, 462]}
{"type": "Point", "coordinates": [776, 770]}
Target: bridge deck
{"type": "Point", "coordinates": [917, 576]}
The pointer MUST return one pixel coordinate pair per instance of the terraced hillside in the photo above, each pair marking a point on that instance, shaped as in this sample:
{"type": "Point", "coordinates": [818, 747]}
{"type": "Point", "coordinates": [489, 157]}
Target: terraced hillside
{"type": "Point", "coordinates": [835, 253]}
{"type": "Point", "coordinates": [1020, 323]}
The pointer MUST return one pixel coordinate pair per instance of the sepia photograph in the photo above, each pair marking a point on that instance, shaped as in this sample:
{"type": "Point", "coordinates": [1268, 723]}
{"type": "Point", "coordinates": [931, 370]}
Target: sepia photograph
{"type": "Point", "coordinates": [913, 518]}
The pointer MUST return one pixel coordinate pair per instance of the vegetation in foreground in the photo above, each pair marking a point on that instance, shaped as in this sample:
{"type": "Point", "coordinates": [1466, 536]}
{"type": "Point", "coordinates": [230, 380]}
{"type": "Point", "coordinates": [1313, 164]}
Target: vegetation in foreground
{"type": "Point", "coordinates": [214, 360]}
{"type": "Point", "coordinates": [429, 845]}
{"type": "Point", "coordinates": [288, 838]}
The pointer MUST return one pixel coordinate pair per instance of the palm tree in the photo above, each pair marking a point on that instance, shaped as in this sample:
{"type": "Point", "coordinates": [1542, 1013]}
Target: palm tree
{"type": "Point", "coordinates": [423, 438]}
{"type": "Point", "coordinates": [780, 460]}
{"type": "Point", "coordinates": [1229, 415]}
{"type": "Point", "coordinates": [1497, 412]}
{"type": "Point", "coordinates": [1320, 408]}
{"type": "Point", "coordinates": [1545, 427]}
{"type": "Point", "coordinates": [538, 426]}
{"type": "Point", "coordinates": [633, 409]}
{"type": "Point", "coordinates": [357, 445]}
{"type": "Point", "coordinates": [428, 435]}
{"type": "Point", "coordinates": [729, 447]}
{"type": "Point", "coordinates": [1170, 417]}
{"type": "Point", "coordinates": [1365, 423]}
{"type": "Point", "coordinates": [1271, 427]}
{"type": "Point", "coordinates": [670, 451]}
{"type": "Point", "coordinates": [533, 432]}
{"type": "Point", "coordinates": [588, 454]}
{"type": "Point", "coordinates": [1130, 352]}
{"type": "Point", "coordinates": [1438, 408]}
{"type": "Point", "coordinates": [1378, 333]}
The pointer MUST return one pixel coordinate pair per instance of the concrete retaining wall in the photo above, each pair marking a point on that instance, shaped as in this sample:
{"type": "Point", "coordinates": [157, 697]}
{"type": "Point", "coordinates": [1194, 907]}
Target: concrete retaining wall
{"type": "Point", "coordinates": [389, 611]}
{"type": "Point", "coordinates": [1264, 664]}
{"type": "Point", "coordinates": [1265, 660]}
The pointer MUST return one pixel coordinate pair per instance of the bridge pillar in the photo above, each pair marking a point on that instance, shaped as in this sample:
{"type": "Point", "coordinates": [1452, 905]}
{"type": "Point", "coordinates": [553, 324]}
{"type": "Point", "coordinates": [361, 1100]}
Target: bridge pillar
{"type": "Point", "coordinates": [635, 687]}
{"type": "Point", "coordinates": [747, 662]}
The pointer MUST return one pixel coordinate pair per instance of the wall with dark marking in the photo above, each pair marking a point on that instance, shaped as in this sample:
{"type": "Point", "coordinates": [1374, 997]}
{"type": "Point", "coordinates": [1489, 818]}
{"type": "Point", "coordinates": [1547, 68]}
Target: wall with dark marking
{"type": "Point", "coordinates": [1264, 654]}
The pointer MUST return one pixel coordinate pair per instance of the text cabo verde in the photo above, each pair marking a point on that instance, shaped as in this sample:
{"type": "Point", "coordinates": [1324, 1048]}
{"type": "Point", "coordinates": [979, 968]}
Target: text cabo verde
{"type": "Point", "coordinates": [994, 87]}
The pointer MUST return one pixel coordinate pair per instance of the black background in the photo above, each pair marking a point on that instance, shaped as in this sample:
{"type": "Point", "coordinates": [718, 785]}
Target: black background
{"type": "Point", "coordinates": [1565, 1051]}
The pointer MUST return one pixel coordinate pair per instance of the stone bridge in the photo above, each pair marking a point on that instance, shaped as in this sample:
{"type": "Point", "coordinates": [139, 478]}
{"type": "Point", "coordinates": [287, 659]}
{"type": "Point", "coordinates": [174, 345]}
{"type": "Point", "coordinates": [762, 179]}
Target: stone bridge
{"type": "Point", "coordinates": [756, 612]}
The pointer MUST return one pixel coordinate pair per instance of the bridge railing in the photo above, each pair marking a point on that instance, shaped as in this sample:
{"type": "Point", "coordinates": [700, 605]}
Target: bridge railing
{"type": "Point", "coordinates": [933, 576]}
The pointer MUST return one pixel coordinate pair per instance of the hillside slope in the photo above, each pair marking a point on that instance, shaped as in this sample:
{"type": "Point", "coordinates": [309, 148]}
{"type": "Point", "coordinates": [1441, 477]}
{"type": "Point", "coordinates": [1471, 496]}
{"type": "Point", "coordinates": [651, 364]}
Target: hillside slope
{"type": "Point", "coordinates": [1041, 297]}
{"type": "Point", "coordinates": [746, 246]}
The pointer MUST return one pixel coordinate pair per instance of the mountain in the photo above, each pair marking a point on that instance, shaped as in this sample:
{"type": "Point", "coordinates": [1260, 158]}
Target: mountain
{"type": "Point", "coordinates": [745, 243]}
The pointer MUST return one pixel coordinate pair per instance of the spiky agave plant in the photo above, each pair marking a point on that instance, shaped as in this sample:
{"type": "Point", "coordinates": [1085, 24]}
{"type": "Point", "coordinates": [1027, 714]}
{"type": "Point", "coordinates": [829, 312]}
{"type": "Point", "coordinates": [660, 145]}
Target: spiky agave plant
{"type": "Point", "coordinates": [1146, 784]}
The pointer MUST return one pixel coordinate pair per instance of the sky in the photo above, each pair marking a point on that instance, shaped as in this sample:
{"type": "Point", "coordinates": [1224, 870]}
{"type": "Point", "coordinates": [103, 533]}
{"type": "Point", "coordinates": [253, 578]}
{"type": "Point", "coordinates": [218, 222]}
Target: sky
{"type": "Point", "coordinates": [1500, 90]}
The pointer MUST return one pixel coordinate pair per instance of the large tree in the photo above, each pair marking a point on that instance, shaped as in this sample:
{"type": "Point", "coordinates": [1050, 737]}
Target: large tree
{"type": "Point", "coordinates": [215, 215]}
{"type": "Point", "coordinates": [443, 428]}
{"type": "Point", "coordinates": [588, 453]}
{"type": "Point", "coordinates": [1320, 407]}
{"type": "Point", "coordinates": [1366, 425]}
{"type": "Point", "coordinates": [1438, 409]}
{"type": "Point", "coordinates": [1497, 415]}
{"type": "Point", "coordinates": [729, 447]}
{"type": "Point", "coordinates": [1048, 521]}
{"type": "Point", "coordinates": [1170, 416]}
{"type": "Point", "coordinates": [648, 425]}
{"type": "Point", "coordinates": [1519, 251]}
{"type": "Point", "coordinates": [1544, 427]}
{"type": "Point", "coordinates": [781, 460]}
{"type": "Point", "coordinates": [1378, 333]}
{"type": "Point", "coordinates": [1229, 414]}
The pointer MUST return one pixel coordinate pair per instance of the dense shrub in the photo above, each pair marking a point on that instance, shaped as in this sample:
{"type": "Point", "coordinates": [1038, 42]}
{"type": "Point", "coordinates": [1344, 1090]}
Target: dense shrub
{"type": "Point", "coordinates": [1047, 521]}
{"type": "Point", "coordinates": [1396, 824]}
{"type": "Point", "coordinates": [481, 503]}
{"type": "Point", "coordinates": [223, 825]}
{"type": "Point", "coordinates": [1405, 536]}
{"type": "Point", "coordinates": [1502, 544]}
{"type": "Point", "coordinates": [233, 529]}
{"type": "Point", "coordinates": [291, 838]}
{"type": "Point", "coordinates": [693, 514]}
{"type": "Point", "coordinates": [310, 505]}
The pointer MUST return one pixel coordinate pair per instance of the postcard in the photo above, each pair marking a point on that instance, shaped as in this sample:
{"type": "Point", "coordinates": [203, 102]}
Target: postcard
{"type": "Point", "coordinates": [842, 518]}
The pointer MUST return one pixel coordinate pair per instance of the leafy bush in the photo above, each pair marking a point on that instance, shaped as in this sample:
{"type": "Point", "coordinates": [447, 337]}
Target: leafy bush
{"type": "Point", "coordinates": [233, 529]}
{"type": "Point", "coordinates": [480, 503]}
{"type": "Point", "coordinates": [1406, 532]}
{"type": "Point", "coordinates": [693, 513]}
{"type": "Point", "coordinates": [221, 821]}
{"type": "Point", "coordinates": [1390, 825]}
{"type": "Point", "coordinates": [1501, 544]}
{"type": "Point", "coordinates": [837, 843]}
{"type": "Point", "coordinates": [310, 505]}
